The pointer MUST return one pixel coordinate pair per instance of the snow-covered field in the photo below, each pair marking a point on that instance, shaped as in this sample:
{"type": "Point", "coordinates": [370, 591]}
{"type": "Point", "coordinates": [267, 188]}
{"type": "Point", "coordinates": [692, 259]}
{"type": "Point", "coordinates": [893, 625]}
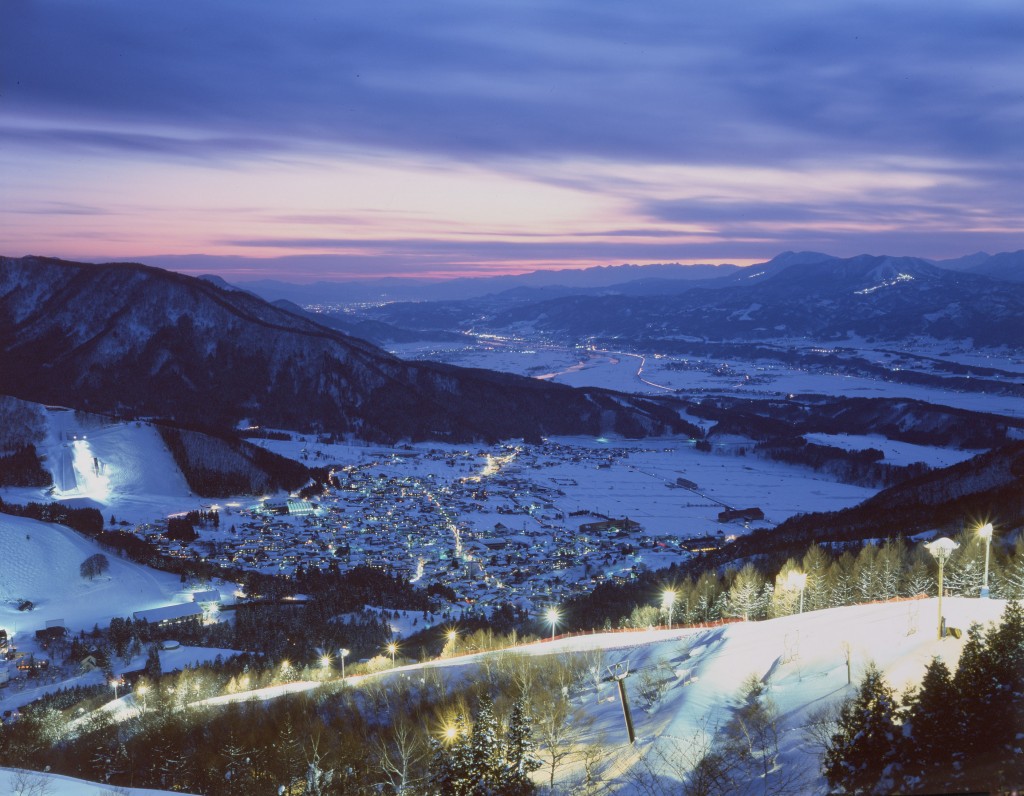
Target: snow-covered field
{"type": "Point", "coordinates": [654, 374]}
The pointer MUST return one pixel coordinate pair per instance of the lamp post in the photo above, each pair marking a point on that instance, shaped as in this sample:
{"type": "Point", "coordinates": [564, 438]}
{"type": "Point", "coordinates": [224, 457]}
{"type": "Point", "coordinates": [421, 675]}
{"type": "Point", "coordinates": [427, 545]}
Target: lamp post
{"type": "Point", "coordinates": [113, 684]}
{"type": "Point", "coordinates": [325, 663]}
{"type": "Point", "coordinates": [797, 581]}
{"type": "Point", "coordinates": [552, 616]}
{"type": "Point", "coordinates": [141, 691]}
{"type": "Point", "coordinates": [668, 603]}
{"type": "Point", "coordinates": [342, 653]}
{"type": "Point", "coordinates": [985, 532]}
{"type": "Point", "coordinates": [942, 549]}
{"type": "Point", "coordinates": [392, 648]}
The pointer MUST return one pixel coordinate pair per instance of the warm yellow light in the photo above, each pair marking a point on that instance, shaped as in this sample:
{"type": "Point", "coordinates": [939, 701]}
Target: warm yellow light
{"type": "Point", "coordinates": [325, 661]}
{"type": "Point", "coordinates": [668, 598]}
{"type": "Point", "coordinates": [985, 531]}
{"type": "Point", "coordinates": [452, 635]}
{"type": "Point", "coordinates": [451, 732]}
{"type": "Point", "coordinates": [552, 615]}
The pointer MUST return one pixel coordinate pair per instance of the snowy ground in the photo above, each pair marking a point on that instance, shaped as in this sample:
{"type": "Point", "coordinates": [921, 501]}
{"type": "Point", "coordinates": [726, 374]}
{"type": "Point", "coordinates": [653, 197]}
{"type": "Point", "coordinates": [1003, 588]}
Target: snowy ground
{"type": "Point", "coordinates": [40, 562]}
{"type": "Point", "coordinates": [801, 659]}
{"type": "Point", "coordinates": [656, 373]}
{"type": "Point", "coordinates": [34, 783]}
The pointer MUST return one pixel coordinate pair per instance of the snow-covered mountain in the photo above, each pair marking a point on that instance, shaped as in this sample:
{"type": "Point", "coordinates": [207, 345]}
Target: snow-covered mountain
{"type": "Point", "coordinates": [126, 338]}
{"type": "Point", "coordinates": [796, 295]}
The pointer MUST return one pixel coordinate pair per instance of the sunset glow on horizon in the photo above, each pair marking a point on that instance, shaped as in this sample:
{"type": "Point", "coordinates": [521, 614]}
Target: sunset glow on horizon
{"type": "Point", "coordinates": [341, 142]}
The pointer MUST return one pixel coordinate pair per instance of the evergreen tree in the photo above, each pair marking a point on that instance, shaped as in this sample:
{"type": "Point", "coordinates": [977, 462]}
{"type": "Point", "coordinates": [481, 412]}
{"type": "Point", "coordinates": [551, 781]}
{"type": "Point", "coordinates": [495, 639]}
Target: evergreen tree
{"type": "Point", "coordinates": [815, 564]}
{"type": "Point", "coordinates": [1011, 584]}
{"type": "Point", "coordinates": [450, 763]}
{"type": "Point", "coordinates": [520, 757]}
{"type": "Point", "coordinates": [485, 752]}
{"type": "Point", "coordinates": [744, 595]}
{"type": "Point", "coordinates": [862, 754]}
{"type": "Point", "coordinates": [933, 730]}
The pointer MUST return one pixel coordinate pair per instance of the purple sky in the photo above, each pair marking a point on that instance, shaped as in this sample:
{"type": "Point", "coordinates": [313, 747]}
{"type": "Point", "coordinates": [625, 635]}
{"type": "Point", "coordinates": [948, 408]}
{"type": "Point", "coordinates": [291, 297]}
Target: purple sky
{"type": "Point", "coordinates": [456, 137]}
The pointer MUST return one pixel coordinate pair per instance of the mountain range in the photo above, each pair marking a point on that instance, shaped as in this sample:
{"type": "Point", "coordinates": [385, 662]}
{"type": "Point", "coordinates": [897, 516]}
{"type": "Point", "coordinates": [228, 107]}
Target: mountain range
{"type": "Point", "coordinates": [795, 295]}
{"type": "Point", "coordinates": [134, 340]}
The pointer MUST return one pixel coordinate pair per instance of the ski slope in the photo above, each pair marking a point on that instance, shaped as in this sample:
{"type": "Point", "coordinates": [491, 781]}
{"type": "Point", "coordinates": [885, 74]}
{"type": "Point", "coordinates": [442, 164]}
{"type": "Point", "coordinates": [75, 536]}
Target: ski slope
{"type": "Point", "coordinates": [801, 659]}
{"type": "Point", "coordinates": [40, 562]}
{"type": "Point", "coordinates": [112, 463]}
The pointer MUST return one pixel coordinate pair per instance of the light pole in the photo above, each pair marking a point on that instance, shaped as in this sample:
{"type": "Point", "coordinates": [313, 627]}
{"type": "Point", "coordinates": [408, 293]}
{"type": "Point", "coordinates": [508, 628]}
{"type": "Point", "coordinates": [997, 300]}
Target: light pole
{"type": "Point", "coordinates": [552, 616]}
{"type": "Point", "coordinates": [942, 549]}
{"type": "Point", "coordinates": [325, 664]}
{"type": "Point", "coordinates": [453, 636]}
{"type": "Point", "coordinates": [392, 648]}
{"type": "Point", "coordinates": [985, 532]}
{"type": "Point", "coordinates": [341, 654]}
{"type": "Point", "coordinates": [668, 602]}
{"type": "Point", "coordinates": [797, 581]}
{"type": "Point", "coordinates": [113, 684]}
{"type": "Point", "coordinates": [141, 691]}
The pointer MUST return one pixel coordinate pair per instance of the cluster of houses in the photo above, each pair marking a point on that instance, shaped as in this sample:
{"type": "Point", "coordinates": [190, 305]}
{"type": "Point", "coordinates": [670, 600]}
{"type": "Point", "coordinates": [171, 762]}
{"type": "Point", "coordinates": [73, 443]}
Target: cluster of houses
{"type": "Point", "coordinates": [480, 522]}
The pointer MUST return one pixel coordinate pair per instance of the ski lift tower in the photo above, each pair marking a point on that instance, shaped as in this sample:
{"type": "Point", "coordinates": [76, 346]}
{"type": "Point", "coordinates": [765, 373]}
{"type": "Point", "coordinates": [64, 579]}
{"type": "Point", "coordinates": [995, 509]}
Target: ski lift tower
{"type": "Point", "coordinates": [619, 672]}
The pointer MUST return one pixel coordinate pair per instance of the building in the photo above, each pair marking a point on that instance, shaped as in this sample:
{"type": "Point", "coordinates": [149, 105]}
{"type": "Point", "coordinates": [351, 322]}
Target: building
{"type": "Point", "coordinates": [170, 615]}
{"type": "Point", "coordinates": [626, 524]}
{"type": "Point", "coordinates": [747, 515]}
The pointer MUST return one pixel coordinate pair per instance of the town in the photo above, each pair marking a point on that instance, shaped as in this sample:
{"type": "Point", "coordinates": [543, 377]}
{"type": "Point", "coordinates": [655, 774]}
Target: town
{"type": "Point", "coordinates": [512, 523]}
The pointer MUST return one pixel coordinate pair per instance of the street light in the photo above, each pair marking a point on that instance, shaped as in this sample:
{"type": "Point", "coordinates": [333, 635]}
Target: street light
{"type": "Point", "coordinates": [942, 549]}
{"type": "Point", "coordinates": [141, 691]}
{"type": "Point", "coordinates": [325, 663]}
{"type": "Point", "coordinates": [553, 618]}
{"type": "Point", "coordinates": [668, 602]}
{"type": "Point", "coordinates": [452, 636]}
{"type": "Point", "coordinates": [113, 684]}
{"type": "Point", "coordinates": [797, 581]}
{"type": "Point", "coordinates": [985, 532]}
{"type": "Point", "coordinates": [392, 648]}
{"type": "Point", "coordinates": [342, 653]}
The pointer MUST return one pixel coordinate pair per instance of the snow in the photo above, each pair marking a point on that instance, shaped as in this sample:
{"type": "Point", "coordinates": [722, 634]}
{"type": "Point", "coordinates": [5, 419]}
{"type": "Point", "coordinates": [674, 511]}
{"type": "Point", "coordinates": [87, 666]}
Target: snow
{"type": "Point", "coordinates": [695, 376]}
{"type": "Point", "coordinates": [32, 782]}
{"type": "Point", "coordinates": [41, 563]}
{"type": "Point", "coordinates": [801, 659]}
{"type": "Point", "coordinates": [898, 453]}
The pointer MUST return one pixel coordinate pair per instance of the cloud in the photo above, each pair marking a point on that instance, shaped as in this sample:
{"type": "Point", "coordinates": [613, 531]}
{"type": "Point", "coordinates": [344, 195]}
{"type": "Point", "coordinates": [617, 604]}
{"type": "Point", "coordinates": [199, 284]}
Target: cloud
{"type": "Point", "coordinates": [661, 81]}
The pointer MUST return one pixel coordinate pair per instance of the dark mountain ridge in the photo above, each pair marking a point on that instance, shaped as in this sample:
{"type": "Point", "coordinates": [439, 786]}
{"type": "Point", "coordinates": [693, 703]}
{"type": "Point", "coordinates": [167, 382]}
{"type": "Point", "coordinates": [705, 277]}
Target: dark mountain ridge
{"type": "Point", "coordinates": [133, 340]}
{"type": "Point", "coordinates": [801, 295]}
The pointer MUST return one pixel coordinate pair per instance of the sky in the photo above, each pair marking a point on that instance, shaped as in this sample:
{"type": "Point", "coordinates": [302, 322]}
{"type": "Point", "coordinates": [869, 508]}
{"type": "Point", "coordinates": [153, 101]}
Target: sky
{"type": "Point", "coordinates": [337, 140]}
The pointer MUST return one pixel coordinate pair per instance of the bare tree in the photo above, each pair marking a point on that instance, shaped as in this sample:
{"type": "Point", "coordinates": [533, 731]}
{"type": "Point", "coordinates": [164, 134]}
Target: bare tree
{"type": "Point", "coordinates": [402, 758]}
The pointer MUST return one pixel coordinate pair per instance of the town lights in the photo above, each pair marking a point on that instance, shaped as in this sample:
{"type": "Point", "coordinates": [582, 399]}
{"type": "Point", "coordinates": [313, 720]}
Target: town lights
{"type": "Point", "coordinates": [668, 603]}
{"type": "Point", "coordinates": [942, 549]}
{"type": "Point", "coordinates": [985, 532]}
{"type": "Point", "coordinates": [797, 581]}
{"type": "Point", "coordinates": [553, 617]}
